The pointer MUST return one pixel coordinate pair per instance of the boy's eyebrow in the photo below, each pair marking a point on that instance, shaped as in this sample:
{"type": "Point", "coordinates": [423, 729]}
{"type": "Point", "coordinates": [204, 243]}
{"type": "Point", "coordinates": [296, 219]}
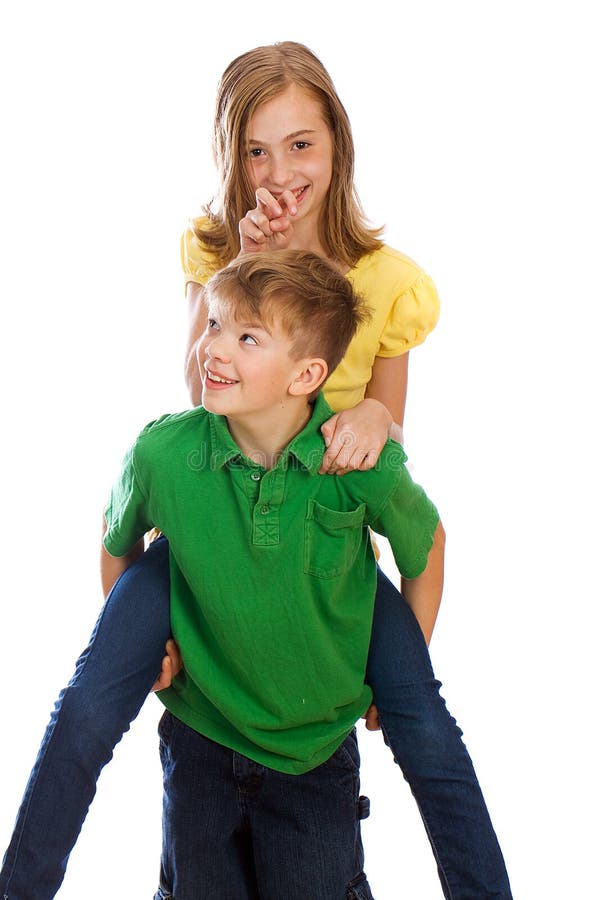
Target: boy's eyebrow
{"type": "Point", "coordinates": [288, 137]}
{"type": "Point", "coordinates": [260, 325]}
{"type": "Point", "coordinates": [225, 313]}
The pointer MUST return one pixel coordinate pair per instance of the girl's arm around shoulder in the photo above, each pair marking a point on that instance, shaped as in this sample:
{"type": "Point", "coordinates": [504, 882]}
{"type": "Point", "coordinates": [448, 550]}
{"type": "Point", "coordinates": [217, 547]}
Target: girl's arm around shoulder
{"type": "Point", "coordinates": [389, 385]}
{"type": "Point", "coordinates": [355, 437]}
{"type": "Point", "coordinates": [196, 326]}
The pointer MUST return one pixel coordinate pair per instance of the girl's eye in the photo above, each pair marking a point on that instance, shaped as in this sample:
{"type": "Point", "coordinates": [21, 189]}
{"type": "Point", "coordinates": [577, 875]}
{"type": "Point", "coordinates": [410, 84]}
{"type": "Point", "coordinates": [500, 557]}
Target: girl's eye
{"type": "Point", "coordinates": [255, 152]}
{"type": "Point", "coordinates": [248, 339]}
{"type": "Point", "coordinates": [301, 145]}
{"type": "Point", "coordinates": [213, 325]}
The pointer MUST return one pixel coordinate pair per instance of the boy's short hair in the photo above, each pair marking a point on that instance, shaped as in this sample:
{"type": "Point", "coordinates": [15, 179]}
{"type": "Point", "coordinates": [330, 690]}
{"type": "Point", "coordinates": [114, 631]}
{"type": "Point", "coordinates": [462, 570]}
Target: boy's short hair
{"type": "Point", "coordinates": [313, 302]}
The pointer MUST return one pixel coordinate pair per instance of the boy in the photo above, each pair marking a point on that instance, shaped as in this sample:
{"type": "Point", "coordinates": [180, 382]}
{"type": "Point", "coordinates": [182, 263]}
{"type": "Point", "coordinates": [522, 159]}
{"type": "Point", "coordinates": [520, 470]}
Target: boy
{"type": "Point", "coordinates": [272, 588]}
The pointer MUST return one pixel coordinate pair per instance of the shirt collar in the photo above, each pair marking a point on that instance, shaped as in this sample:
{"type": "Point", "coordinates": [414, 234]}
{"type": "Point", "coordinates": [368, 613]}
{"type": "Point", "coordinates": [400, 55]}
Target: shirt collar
{"type": "Point", "coordinates": [308, 446]}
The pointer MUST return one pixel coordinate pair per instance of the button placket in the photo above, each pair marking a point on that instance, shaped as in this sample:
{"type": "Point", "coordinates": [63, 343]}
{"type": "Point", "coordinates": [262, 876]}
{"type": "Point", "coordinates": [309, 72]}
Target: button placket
{"type": "Point", "coordinates": [266, 510]}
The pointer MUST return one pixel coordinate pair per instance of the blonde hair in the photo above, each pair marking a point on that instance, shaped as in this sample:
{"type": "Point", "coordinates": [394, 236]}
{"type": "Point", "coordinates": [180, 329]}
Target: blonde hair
{"type": "Point", "coordinates": [311, 301]}
{"type": "Point", "coordinates": [249, 81]}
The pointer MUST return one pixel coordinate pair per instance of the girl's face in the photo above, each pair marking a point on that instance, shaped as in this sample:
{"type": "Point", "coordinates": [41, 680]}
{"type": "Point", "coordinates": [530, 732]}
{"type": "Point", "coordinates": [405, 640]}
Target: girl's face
{"type": "Point", "coordinates": [290, 147]}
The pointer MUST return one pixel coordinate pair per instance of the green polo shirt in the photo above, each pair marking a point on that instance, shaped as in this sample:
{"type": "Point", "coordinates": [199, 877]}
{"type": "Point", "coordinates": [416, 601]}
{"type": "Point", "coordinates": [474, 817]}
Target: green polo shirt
{"type": "Point", "coordinates": [272, 578]}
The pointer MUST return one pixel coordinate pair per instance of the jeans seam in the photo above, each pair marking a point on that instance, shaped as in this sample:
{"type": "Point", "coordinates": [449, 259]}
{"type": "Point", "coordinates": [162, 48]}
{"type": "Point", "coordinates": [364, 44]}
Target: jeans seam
{"type": "Point", "coordinates": [35, 787]}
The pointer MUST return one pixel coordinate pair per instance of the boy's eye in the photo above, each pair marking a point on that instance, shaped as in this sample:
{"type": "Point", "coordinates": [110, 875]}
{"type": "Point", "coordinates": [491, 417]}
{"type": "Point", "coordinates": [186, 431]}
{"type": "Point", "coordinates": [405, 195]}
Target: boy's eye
{"type": "Point", "coordinates": [213, 324]}
{"type": "Point", "coordinates": [248, 339]}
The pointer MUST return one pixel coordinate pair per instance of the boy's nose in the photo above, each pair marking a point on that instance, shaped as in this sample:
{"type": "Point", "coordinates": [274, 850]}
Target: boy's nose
{"type": "Point", "coordinates": [216, 348]}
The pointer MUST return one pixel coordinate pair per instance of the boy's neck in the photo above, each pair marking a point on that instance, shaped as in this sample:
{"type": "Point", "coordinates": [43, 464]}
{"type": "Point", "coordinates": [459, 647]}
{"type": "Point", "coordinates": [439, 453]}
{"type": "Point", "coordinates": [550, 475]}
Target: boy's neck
{"type": "Point", "coordinates": [262, 438]}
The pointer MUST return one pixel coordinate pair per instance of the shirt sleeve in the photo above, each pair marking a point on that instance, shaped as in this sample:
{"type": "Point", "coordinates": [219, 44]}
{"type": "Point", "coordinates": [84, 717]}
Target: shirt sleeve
{"type": "Point", "coordinates": [197, 262]}
{"type": "Point", "coordinates": [126, 514]}
{"type": "Point", "coordinates": [412, 317]}
{"type": "Point", "coordinates": [408, 519]}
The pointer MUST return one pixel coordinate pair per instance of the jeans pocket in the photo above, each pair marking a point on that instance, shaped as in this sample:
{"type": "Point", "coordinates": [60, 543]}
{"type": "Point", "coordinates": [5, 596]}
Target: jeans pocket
{"type": "Point", "coordinates": [359, 889]}
{"type": "Point", "coordinates": [347, 754]}
{"type": "Point", "coordinates": [343, 768]}
{"type": "Point", "coordinates": [331, 539]}
{"type": "Point", "coordinates": [166, 727]}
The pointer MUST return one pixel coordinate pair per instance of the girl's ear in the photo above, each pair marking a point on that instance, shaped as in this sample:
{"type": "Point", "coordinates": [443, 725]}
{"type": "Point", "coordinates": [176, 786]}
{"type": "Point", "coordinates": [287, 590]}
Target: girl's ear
{"type": "Point", "coordinates": [311, 375]}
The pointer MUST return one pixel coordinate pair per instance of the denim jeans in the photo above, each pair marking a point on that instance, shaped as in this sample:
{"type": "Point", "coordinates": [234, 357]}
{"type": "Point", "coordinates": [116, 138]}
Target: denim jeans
{"type": "Point", "coordinates": [427, 745]}
{"type": "Point", "coordinates": [236, 830]}
{"type": "Point", "coordinates": [111, 681]}
{"type": "Point", "coordinates": [113, 677]}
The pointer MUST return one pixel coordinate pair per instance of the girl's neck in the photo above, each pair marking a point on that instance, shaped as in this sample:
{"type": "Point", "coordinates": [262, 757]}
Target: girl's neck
{"type": "Point", "coordinates": [308, 239]}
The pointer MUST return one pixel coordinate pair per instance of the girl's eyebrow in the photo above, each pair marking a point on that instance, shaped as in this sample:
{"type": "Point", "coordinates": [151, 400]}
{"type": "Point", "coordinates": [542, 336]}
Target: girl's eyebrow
{"type": "Point", "coordinates": [288, 137]}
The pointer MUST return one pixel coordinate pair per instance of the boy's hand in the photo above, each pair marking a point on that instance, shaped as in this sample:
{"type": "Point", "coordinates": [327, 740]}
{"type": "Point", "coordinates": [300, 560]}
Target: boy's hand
{"type": "Point", "coordinates": [172, 664]}
{"type": "Point", "coordinates": [371, 718]}
{"type": "Point", "coordinates": [268, 226]}
{"type": "Point", "coordinates": [355, 437]}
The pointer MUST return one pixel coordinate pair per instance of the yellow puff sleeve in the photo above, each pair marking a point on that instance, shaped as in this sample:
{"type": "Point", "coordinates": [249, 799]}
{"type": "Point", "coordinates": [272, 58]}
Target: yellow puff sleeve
{"type": "Point", "coordinates": [198, 263]}
{"type": "Point", "coordinates": [413, 315]}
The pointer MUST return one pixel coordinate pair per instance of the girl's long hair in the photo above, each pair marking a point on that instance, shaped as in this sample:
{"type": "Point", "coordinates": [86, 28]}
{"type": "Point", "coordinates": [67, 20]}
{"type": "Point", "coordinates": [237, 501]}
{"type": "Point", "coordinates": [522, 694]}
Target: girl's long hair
{"type": "Point", "coordinates": [249, 81]}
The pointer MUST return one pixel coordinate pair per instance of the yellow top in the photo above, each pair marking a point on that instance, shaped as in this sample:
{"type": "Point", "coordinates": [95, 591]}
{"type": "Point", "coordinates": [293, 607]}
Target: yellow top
{"type": "Point", "coordinates": [404, 309]}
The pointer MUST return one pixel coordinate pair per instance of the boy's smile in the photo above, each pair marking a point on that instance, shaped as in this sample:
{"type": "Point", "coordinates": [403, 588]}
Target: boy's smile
{"type": "Point", "coordinates": [215, 382]}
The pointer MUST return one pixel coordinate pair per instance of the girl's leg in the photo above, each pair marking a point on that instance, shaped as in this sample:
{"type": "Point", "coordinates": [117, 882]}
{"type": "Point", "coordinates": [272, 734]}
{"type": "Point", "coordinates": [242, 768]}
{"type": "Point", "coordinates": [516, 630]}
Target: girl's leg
{"type": "Point", "coordinates": [111, 681]}
{"type": "Point", "coordinates": [427, 745]}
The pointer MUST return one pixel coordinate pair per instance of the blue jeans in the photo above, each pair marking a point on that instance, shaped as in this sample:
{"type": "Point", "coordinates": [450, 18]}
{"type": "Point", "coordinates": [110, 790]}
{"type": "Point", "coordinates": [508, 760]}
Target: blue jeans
{"type": "Point", "coordinates": [236, 830]}
{"type": "Point", "coordinates": [427, 745]}
{"type": "Point", "coordinates": [112, 679]}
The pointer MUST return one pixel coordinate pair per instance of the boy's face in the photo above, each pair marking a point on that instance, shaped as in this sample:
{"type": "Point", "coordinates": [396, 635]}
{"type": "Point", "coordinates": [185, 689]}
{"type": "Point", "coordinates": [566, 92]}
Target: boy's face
{"type": "Point", "coordinates": [246, 369]}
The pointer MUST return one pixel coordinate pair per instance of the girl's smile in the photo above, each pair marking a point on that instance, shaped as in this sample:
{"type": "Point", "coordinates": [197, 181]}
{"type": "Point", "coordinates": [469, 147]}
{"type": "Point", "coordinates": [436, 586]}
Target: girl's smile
{"type": "Point", "coordinates": [290, 148]}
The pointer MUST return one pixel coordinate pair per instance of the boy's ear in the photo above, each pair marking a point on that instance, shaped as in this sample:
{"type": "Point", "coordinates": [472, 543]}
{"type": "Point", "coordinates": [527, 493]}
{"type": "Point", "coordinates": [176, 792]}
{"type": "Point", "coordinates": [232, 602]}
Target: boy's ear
{"type": "Point", "coordinates": [311, 375]}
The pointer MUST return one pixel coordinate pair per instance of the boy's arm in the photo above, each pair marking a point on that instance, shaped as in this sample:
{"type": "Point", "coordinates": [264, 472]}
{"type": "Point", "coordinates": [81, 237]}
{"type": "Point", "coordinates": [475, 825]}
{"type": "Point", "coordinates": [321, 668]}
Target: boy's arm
{"type": "Point", "coordinates": [424, 593]}
{"type": "Point", "coordinates": [112, 567]}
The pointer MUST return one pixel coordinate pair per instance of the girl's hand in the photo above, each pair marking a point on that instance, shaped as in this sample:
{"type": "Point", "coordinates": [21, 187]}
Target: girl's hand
{"type": "Point", "coordinates": [172, 664]}
{"type": "Point", "coordinates": [269, 225]}
{"type": "Point", "coordinates": [355, 437]}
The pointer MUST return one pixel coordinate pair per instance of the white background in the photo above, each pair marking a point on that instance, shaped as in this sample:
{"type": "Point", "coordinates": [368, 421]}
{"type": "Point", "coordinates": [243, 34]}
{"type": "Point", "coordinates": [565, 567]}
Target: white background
{"type": "Point", "coordinates": [475, 125]}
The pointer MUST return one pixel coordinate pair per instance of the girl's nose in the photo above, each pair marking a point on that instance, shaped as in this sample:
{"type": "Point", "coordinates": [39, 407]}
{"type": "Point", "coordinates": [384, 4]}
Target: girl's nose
{"type": "Point", "coordinates": [281, 171]}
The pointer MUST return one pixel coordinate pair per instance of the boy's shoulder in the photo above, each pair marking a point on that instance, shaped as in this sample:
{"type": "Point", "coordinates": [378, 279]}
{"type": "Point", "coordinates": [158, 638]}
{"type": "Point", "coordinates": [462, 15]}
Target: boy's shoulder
{"type": "Point", "coordinates": [391, 461]}
{"type": "Point", "coordinates": [389, 469]}
{"type": "Point", "coordinates": [187, 419]}
{"type": "Point", "coordinates": [190, 426]}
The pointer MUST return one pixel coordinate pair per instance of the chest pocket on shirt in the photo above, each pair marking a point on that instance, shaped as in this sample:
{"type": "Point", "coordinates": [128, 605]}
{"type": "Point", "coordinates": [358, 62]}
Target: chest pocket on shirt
{"type": "Point", "coordinates": [331, 539]}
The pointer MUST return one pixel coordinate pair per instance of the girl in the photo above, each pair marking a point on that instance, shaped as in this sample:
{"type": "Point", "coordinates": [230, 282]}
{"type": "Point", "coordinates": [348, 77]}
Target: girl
{"type": "Point", "coordinates": [284, 153]}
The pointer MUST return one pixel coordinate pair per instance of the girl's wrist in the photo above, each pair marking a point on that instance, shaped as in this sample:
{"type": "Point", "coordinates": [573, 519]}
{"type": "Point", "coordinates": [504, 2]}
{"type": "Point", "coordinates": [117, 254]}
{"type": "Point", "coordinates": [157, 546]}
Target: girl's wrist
{"type": "Point", "coordinates": [387, 417]}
